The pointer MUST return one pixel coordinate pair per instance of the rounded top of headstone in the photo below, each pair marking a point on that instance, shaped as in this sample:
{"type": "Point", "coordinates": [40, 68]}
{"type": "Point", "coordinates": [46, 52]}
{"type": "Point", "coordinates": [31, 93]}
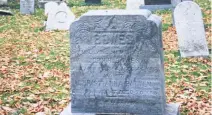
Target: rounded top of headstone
{"type": "Point", "coordinates": [187, 10]}
{"type": "Point", "coordinates": [187, 5]}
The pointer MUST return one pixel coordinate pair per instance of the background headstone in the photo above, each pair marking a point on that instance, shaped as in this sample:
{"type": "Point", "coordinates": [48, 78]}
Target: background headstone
{"type": "Point", "coordinates": [3, 2]}
{"type": "Point", "coordinates": [27, 6]}
{"type": "Point", "coordinates": [117, 63]}
{"type": "Point", "coordinates": [60, 18]}
{"type": "Point", "coordinates": [92, 1]}
{"type": "Point", "coordinates": [190, 30]}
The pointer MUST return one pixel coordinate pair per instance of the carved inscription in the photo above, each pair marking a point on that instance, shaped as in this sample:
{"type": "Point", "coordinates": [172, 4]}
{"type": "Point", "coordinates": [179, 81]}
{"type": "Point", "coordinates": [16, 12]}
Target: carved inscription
{"type": "Point", "coordinates": [116, 65]}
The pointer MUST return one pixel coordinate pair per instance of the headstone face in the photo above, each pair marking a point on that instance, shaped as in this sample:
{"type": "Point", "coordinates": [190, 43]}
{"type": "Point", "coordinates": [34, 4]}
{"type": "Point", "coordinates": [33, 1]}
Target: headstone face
{"type": "Point", "coordinates": [190, 30]}
{"type": "Point", "coordinates": [3, 2]}
{"type": "Point", "coordinates": [93, 1]}
{"type": "Point", "coordinates": [117, 63]}
{"type": "Point", "coordinates": [27, 6]}
{"type": "Point", "coordinates": [59, 18]}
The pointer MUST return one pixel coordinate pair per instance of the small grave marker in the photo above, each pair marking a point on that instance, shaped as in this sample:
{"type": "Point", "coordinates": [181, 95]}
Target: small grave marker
{"type": "Point", "coordinates": [27, 6]}
{"type": "Point", "coordinates": [190, 30]}
{"type": "Point", "coordinates": [59, 18]}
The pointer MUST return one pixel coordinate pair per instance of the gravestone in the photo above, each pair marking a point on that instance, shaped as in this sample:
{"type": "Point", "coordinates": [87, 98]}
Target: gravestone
{"type": "Point", "coordinates": [3, 2]}
{"type": "Point", "coordinates": [59, 18]}
{"type": "Point", "coordinates": [190, 30]}
{"type": "Point", "coordinates": [27, 6]}
{"type": "Point", "coordinates": [117, 64]}
{"type": "Point", "coordinates": [41, 3]}
{"type": "Point", "coordinates": [92, 1]}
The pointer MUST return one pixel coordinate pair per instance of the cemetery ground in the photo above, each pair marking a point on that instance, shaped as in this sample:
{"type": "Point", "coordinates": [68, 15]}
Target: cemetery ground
{"type": "Point", "coordinates": [34, 64]}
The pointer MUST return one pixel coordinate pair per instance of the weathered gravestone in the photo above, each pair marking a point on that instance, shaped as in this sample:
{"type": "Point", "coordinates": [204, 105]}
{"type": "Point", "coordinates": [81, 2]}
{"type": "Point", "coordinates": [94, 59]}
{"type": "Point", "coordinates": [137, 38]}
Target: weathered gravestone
{"type": "Point", "coordinates": [190, 30]}
{"type": "Point", "coordinates": [117, 64]}
{"type": "Point", "coordinates": [92, 1]}
{"type": "Point", "coordinates": [3, 2]}
{"type": "Point", "coordinates": [59, 18]}
{"type": "Point", "coordinates": [27, 6]}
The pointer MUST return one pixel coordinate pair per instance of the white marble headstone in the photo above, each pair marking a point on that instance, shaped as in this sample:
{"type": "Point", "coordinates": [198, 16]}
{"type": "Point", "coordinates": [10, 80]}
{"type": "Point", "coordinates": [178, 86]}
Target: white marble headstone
{"type": "Point", "coordinates": [27, 6]}
{"type": "Point", "coordinates": [60, 18]}
{"type": "Point", "coordinates": [190, 30]}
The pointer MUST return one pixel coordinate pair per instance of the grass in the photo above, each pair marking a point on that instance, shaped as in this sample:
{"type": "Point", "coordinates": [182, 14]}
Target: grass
{"type": "Point", "coordinates": [34, 64]}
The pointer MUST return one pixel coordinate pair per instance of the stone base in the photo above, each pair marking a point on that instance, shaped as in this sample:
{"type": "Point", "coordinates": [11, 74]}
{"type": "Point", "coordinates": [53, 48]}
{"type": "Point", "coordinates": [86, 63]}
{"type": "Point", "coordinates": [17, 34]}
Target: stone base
{"type": "Point", "coordinates": [171, 109]}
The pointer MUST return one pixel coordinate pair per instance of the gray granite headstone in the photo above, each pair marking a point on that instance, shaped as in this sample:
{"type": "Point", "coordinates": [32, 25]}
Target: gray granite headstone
{"type": "Point", "coordinates": [190, 30]}
{"type": "Point", "coordinates": [3, 2]}
{"type": "Point", "coordinates": [59, 18]}
{"type": "Point", "coordinates": [117, 63]}
{"type": "Point", "coordinates": [27, 6]}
